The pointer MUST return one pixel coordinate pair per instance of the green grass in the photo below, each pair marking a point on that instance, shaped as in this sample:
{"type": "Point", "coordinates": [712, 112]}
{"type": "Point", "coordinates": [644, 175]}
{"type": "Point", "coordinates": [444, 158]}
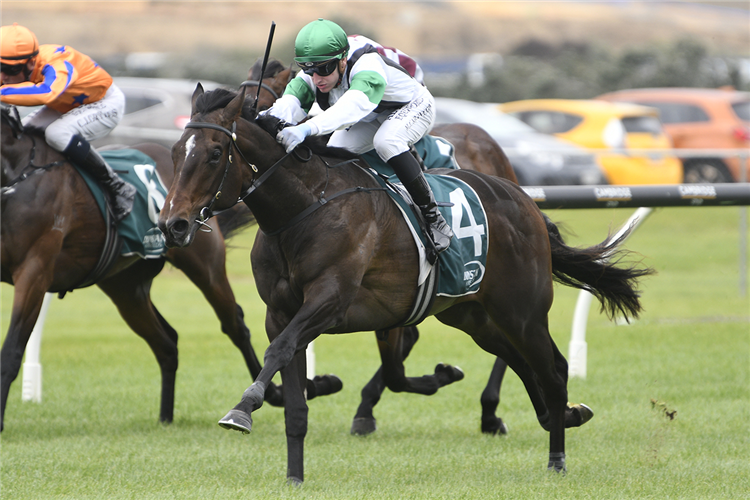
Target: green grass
{"type": "Point", "coordinates": [96, 435]}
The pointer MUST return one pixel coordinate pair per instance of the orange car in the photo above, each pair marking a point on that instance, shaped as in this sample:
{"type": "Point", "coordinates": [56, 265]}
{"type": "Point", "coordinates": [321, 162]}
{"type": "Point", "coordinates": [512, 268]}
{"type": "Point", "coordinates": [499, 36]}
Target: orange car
{"type": "Point", "coordinates": [700, 119]}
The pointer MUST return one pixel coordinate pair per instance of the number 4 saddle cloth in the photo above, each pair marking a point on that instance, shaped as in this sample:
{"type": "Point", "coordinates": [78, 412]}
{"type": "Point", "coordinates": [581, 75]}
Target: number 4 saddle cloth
{"type": "Point", "coordinates": [460, 268]}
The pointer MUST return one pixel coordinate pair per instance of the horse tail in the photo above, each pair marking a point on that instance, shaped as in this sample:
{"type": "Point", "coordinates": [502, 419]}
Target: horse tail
{"type": "Point", "coordinates": [235, 219]}
{"type": "Point", "coordinates": [599, 270]}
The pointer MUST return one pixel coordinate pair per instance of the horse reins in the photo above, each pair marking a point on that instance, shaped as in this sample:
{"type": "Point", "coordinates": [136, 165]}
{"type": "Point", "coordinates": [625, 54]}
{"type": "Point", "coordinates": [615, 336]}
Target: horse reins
{"type": "Point", "coordinates": [256, 83]}
{"type": "Point", "coordinates": [207, 212]}
{"type": "Point", "coordinates": [30, 169]}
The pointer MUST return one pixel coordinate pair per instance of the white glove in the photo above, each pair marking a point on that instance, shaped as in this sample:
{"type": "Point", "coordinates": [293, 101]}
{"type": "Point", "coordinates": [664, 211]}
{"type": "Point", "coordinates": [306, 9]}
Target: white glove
{"type": "Point", "coordinates": [291, 137]}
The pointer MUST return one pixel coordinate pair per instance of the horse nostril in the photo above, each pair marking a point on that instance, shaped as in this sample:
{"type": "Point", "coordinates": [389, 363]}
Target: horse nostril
{"type": "Point", "coordinates": [179, 228]}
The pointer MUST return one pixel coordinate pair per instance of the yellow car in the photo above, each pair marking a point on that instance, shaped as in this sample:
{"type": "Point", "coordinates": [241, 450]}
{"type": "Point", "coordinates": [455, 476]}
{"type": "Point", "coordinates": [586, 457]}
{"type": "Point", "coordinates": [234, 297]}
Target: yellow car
{"type": "Point", "coordinates": [601, 126]}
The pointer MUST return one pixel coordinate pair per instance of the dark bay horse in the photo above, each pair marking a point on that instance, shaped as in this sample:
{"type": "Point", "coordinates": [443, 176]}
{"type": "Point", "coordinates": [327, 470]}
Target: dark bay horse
{"type": "Point", "coordinates": [351, 265]}
{"type": "Point", "coordinates": [53, 235]}
{"type": "Point", "coordinates": [475, 150]}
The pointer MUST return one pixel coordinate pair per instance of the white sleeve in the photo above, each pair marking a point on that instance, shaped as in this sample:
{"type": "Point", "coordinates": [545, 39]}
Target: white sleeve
{"type": "Point", "coordinates": [351, 107]}
{"type": "Point", "coordinates": [287, 108]}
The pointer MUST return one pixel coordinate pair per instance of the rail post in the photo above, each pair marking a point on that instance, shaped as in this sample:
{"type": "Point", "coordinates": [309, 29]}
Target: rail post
{"type": "Point", "coordinates": [578, 348]}
{"type": "Point", "coordinates": [32, 368]}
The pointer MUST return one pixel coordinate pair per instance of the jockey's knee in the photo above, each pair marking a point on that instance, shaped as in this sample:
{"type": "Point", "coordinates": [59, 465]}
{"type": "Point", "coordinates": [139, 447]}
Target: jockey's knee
{"type": "Point", "coordinates": [58, 135]}
{"type": "Point", "coordinates": [388, 147]}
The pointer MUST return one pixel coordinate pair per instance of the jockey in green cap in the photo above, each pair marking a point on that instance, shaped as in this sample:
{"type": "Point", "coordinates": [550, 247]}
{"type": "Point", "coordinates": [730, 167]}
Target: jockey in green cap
{"type": "Point", "coordinates": [368, 102]}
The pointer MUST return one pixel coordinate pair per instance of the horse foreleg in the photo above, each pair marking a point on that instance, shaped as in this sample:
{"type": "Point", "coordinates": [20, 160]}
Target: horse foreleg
{"type": "Point", "coordinates": [295, 417]}
{"type": "Point", "coordinates": [27, 302]}
{"type": "Point", "coordinates": [364, 420]}
{"type": "Point", "coordinates": [31, 280]}
{"type": "Point", "coordinates": [240, 418]}
{"type": "Point", "coordinates": [204, 263]}
{"type": "Point", "coordinates": [286, 341]}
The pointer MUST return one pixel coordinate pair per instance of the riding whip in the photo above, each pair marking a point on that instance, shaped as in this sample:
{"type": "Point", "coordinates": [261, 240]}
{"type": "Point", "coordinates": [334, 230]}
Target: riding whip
{"type": "Point", "coordinates": [263, 67]}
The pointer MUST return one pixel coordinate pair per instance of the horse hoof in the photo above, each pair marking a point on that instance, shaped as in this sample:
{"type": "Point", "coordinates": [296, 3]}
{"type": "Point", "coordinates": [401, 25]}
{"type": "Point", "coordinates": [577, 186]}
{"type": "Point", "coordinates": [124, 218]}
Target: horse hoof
{"type": "Point", "coordinates": [327, 384]}
{"type": "Point", "coordinates": [557, 463]}
{"type": "Point", "coordinates": [363, 426]}
{"type": "Point", "coordinates": [293, 481]}
{"type": "Point", "coordinates": [581, 414]}
{"type": "Point", "coordinates": [237, 420]}
{"type": "Point", "coordinates": [451, 373]}
{"type": "Point", "coordinates": [494, 426]}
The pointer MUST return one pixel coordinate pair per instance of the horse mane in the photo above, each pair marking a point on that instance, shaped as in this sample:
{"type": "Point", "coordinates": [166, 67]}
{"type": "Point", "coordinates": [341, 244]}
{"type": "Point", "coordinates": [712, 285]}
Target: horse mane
{"type": "Point", "coordinates": [11, 118]}
{"type": "Point", "coordinates": [273, 68]}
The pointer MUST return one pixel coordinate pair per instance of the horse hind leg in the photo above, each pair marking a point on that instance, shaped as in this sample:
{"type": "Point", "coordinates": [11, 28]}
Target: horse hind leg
{"type": "Point", "coordinates": [395, 345]}
{"type": "Point", "coordinates": [130, 292]}
{"type": "Point", "coordinates": [490, 399]}
{"type": "Point", "coordinates": [539, 364]}
{"type": "Point", "coordinates": [550, 370]}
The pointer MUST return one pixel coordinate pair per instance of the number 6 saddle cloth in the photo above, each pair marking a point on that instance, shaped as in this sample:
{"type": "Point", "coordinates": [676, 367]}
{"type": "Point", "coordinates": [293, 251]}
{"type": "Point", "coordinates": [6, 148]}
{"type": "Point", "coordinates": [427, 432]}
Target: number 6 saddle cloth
{"type": "Point", "coordinates": [138, 231]}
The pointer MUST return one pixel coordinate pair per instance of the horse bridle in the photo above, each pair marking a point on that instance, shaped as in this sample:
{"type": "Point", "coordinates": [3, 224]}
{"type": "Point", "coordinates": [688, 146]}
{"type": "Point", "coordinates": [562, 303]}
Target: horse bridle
{"type": "Point", "coordinates": [15, 124]}
{"type": "Point", "coordinates": [207, 211]}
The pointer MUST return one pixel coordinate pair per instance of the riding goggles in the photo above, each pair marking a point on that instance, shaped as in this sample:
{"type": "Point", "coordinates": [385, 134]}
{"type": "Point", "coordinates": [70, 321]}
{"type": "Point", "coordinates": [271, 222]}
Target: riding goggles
{"type": "Point", "coordinates": [323, 68]}
{"type": "Point", "coordinates": [12, 69]}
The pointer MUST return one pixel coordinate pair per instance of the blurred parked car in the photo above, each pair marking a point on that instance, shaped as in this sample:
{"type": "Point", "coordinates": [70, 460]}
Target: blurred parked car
{"type": "Point", "coordinates": [601, 125]}
{"type": "Point", "coordinates": [537, 159]}
{"type": "Point", "coordinates": [700, 119]}
{"type": "Point", "coordinates": [156, 110]}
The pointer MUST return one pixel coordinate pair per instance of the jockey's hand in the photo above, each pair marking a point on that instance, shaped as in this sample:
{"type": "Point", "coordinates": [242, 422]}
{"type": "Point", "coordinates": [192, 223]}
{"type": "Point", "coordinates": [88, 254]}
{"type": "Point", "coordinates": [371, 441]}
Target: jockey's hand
{"type": "Point", "coordinates": [291, 137]}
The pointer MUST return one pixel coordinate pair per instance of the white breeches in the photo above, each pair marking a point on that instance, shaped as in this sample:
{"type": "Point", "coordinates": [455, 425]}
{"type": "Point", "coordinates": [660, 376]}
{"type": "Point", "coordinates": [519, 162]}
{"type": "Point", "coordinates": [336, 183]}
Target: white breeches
{"type": "Point", "coordinates": [391, 132]}
{"type": "Point", "coordinates": [91, 121]}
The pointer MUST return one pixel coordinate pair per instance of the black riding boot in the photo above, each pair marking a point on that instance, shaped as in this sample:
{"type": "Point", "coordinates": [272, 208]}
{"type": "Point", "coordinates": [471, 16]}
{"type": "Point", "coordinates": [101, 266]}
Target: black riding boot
{"type": "Point", "coordinates": [410, 174]}
{"type": "Point", "coordinates": [121, 194]}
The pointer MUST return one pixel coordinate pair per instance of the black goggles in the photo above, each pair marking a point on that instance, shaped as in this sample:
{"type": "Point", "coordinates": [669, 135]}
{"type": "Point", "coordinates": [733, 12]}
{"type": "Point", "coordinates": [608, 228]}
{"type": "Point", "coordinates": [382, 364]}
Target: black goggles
{"type": "Point", "coordinates": [12, 69]}
{"type": "Point", "coordinates": [324, 68]}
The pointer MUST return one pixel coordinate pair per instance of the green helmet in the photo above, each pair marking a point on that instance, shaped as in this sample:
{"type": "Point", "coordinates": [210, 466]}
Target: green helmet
{"type": "Point", "coordinates": [320, 40]}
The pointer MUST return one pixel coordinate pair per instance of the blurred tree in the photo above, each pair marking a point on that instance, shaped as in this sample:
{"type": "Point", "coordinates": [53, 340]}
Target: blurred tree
{"type": "Point", "coordinates": [536, 69]}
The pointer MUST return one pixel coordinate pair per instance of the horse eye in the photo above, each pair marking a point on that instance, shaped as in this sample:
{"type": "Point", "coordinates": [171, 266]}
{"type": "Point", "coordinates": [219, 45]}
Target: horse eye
{"type": "Point", "coordinates": [215, 156]}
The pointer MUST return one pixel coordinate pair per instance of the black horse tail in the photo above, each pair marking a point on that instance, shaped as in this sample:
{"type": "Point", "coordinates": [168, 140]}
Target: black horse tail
{"type": "Point", "coordinates": [598, 270]}
{"type": "Point", "coordinates": [235, 219]}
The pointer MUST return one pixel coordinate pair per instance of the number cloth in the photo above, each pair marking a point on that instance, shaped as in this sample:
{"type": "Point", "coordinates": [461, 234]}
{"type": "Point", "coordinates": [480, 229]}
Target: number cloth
{"type": "Point", "coordinates": [138, 230]}
{"type": "Point", "coordinates": [462, 264]}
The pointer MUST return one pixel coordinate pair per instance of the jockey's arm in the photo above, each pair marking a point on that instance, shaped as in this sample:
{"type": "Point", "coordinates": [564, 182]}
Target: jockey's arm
{"type": "Point", "coordinates": [57, 77]}
{"type": "Point", "coordinates": [293, 106]}
{"type": "Point", "coordinates": [365, 93]}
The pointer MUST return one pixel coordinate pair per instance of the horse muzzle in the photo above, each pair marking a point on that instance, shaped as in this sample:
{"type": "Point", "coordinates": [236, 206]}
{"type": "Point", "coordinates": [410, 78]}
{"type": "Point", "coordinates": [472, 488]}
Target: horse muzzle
{"type": "Point", "coordinates": [178, 232]}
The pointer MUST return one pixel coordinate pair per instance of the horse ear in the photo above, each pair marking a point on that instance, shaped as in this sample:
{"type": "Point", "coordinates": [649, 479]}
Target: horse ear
{"type": "Point", "coordinates": [196, 94]}
{"type": "Point", "coordinates": [233, 110]}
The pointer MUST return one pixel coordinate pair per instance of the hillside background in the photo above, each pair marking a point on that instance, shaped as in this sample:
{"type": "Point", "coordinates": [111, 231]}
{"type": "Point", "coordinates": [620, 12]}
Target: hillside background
{"type": "Point", "coordinates": [522, 49]}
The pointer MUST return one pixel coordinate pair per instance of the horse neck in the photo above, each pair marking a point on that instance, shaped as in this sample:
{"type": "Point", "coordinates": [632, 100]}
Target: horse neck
{"type": "Point", "coordinates": [28, 150]}
{"type": "Point", "coordinates": [291, 188]}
